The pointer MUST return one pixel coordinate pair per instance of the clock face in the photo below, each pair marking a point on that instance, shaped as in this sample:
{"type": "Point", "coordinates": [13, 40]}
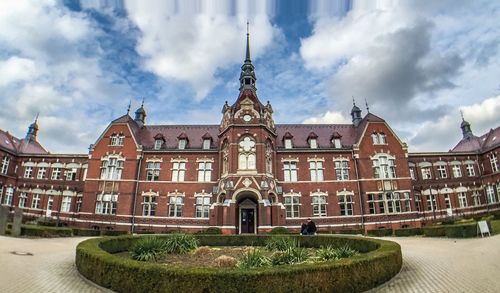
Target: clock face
{"type": "Point", "coordinates": [247, 118]}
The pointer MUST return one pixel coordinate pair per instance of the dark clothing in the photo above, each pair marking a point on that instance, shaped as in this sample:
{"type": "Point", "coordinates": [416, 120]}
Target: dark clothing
{"type": "Point", "coordinates": [303, 229]}
{"type": "Point", "coordinates": [311, 228]}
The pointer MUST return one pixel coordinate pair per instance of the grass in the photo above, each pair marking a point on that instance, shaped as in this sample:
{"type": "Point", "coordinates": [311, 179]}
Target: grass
{"type": "Point", "coordinates": [495, 227]}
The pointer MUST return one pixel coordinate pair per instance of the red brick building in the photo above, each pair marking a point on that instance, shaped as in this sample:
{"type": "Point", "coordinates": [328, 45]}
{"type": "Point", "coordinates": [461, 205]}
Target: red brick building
{"type": "Point", "coordinates": [248, 174]}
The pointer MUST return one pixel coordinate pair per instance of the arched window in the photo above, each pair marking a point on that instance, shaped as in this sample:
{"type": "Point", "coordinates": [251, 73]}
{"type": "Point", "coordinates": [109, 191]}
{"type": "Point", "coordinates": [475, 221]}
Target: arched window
{"type": "Point", "coordinates": [111, 167]}
{"type": "Point", "coordinates": [246, 157]}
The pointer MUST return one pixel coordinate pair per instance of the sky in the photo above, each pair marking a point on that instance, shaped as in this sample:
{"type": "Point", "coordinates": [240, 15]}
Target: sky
{"type": "Point", "coordinates": [416, 63]}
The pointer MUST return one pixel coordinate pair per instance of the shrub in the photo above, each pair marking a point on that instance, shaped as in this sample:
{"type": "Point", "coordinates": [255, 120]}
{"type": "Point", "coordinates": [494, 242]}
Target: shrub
{"type": "Point", "coordinates": [225, 261]}
{"type": "Point", "coordinates": [434, 231]}
{"type": "Point", "coordinates": [448, 222]}
{"type": "Point", "coordinates": [148, 249]}
{"type": "Point", "coordinates": [181, 243]}
{"type": "Point", "coordinates": [279, 231]}
{"type": "Point", "coordinates": [292, 255]}
{"type": "Point", "coordinates": [49, 232]}
{"type": "Point", "coordinates": [345, 252]}
{"type": "Point", "coordinates": [201, 250]}
{"type": "Point", "coordinates": [211, 231]}
{"type": "Point", "coordinates": [85, 232]}
{"type": "Point", "coordinates": [326, 253]}
{"type": "Point", "coordinates": [281, 243]}
{"type": "Point", "coordinates": [462, 231]}
{"type": "Point", "coordinates": [380, 232]}
{"type": "Point", "coordinates": [113, 232]}
{"type": "Point", "coordinates": [408, 232]}
{"type": "Point", "coordinates": [253, 258]}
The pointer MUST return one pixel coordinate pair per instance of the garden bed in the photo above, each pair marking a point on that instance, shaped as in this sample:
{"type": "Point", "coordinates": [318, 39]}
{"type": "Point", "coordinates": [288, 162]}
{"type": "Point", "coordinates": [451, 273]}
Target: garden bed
{"type": "Point", "coordinates": [377, 262]}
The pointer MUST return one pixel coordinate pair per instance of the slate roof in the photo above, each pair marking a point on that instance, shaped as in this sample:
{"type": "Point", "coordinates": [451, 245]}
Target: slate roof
{"type": "Point", "coordinates": [20, 146]}
{"type": "Point", "coordinates": [477, 144]}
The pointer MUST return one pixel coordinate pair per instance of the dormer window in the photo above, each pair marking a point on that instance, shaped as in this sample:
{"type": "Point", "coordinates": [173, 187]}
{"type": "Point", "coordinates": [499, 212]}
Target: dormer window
{"type": "Point", "coordinates": [158, 144]}
{"type": "Point", "coordinates": [182, 143]}
{"type": "Point", "coordinates": [313, 143]}
{"type": "Point", "coordinates": [288, 143]}
{"type": "Point", "coordinates": [206, 144]}
{"type": "Point", "coordinates": [336, 143]}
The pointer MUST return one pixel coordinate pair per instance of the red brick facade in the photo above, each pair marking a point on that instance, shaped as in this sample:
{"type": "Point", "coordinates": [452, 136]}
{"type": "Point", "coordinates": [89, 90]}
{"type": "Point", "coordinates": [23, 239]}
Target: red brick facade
{"type": "Point", "coordinates": [249, 175]}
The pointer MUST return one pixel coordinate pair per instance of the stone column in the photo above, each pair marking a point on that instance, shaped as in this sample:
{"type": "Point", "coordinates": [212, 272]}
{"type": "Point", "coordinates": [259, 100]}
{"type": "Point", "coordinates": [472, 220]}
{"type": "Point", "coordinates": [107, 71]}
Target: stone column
{"type": "Point", "coordinates": [4, 212]}
{"type": "Point", "coordinates": [18, 220]}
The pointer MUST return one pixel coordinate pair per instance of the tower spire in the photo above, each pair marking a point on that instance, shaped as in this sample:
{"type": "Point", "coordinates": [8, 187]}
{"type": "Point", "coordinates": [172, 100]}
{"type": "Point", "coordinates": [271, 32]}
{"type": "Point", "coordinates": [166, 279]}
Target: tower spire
{"type": "Point", "coordinates": [355, 113]}
{"type": "Point", "coordinates": [129, 105]}
{"type": "Point", "coordinates": [465, 126]}
{"type": "Point", "coordinates": [367, 108]}
{"type": "Point", "coordinates": [32, 133]}
{"type": "Point", "coordinates": [247, 76]}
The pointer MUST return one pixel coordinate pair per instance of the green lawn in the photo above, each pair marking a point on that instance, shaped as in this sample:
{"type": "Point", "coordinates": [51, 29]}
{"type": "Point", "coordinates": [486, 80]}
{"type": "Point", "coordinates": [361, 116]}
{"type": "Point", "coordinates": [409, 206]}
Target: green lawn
{"type": "Point", "coordinates": [495, 227]}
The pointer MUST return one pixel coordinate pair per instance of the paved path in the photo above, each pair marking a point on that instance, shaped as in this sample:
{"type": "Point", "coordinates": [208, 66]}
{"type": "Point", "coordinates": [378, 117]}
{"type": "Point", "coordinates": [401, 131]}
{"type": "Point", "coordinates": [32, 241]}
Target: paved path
{"type": "Point", "coordinates": [430, 265]}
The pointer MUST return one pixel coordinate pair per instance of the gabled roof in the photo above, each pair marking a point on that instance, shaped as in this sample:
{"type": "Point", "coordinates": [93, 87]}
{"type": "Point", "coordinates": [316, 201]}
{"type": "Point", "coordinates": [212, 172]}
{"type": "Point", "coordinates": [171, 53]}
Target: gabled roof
{"type": "Point", "coordinates": [301, 132]}
{"type": "Point", "coordinates": [477, 144]}
{"type": "Point", "coordinates": [195, 134]}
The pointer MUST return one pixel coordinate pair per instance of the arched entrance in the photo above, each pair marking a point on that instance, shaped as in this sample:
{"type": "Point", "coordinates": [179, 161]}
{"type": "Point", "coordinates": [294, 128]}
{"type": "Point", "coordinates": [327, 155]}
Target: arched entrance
{"type": "Point", "coordinates": [247, 213]}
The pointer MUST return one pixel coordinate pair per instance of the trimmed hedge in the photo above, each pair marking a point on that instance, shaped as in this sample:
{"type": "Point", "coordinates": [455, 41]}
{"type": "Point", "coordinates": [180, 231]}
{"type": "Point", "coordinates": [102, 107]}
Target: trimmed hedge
{"type": "Point", "coordinates": [379, 232]}
{"type": "Point", "coordinates": [45, 231]}
{"type": "Point", "coordinates": [86, 232]}
{"type": "Point", "coordinates": [279, 230]}
{"type": "Point", "coordinates": [467, 230]}
{"type": "Point", "coordinates": [113, 233]}
{"type": "Point", "coordinates": [211, 231]}
{"type": "Point", "coordinates": [380, 262]}
{"type": "Point", "coordinates": [408, 232]}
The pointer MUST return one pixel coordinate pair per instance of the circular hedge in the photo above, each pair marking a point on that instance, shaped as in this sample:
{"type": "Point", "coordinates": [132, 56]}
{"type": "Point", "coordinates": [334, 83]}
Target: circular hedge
{"type": "Point", "coordinates": [378, 262]}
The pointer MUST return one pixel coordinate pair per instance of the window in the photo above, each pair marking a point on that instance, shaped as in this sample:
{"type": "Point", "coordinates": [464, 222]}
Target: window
{"type": "Point", "coordinates": [111, 168]}
{"type": "Point", "coordinates": [175, 206]}
{"type": "Point", "coordinates": [35, 201]}
{"type": "Point", "coordinates": [470, 170]}
{"type": "Point", "coordinates": [426, 173]}
{"type": "Point", "coordinates": [204, 171]}
{"type": "Point", "coordinates": [158, 144]}
{"type": "Point", "coordinates": [342, 170]}
{"type": "Point", "coordinates": [28, 172]}
{"type": "Point", "coordinates": [56, 173]}
{"type": "Point", "coordinates": [42, 171]}
{"type": "Point", "coordinates": [494, 162]}
{"type": "Point", "coordinates": [371, 204]}
{"type": "Point", "coordinates": [319, 205]}
{"type": "Point", "coordinates": [182, 143]}
{"type": "Point", "coordinates": [292, 205]}
{"type": "Point", "coordinates": [71, 174]}
{"type": "Point", "coordinates": [5, 165]}
{"type": "Point", "coordinates": [412, 173]}
{"type": "Point", "coordinates": [418, 202]}
{"type": "Point", "coordinates": [441, 169]}
{"type": "Point", "coordinates": [407, 201]}
{"type": "Point", "coordinates": [393, 203]}
{"type": "Point", "coordinates": [288, 143]}
{"type": "Point", "coordinates": [153, 171]}
{"type": "Point", "coordinates": [206, 144]}
{"type": "Point", "coordinates": [290, 170]}
{"type": "Point", "coordinates": [22, 199]}
{"type": "Point", "coordinates": [431, 202]}
{"type": "Point", "coordinates": [78, 204]}
{"type": "Point", "coordinates": [316, 170]}
{"type": "Point", "coordinates": [490, 194]}
{"type": "Point", "coordinates": [462, 199]}
{"type": "Point", "coordinates": [66, 204]}
{"type": "Point", "coordinates": [383, 167]}
{"type": "Point", "coordinates": [457, 172]}
{"type": "Point", "coordinates": [336, 143]}
{"type": "Point", "coordinates": [246, 157]}
{"type": "Point", "coordinates": [202, 206]}
{"type": "Point", "coordinates": [447, 201]}
{"type": "Point", "coordinates": [378, 138]}
{"type": "Point", "coordinates": [345, 203]}
{"type": "Point", "coordinates": [476, 197]}
{"type": "Point", "coordinates": [106, 204]}
{"type": "Point", "coordinates": [9, 195]}
{"type": "Point", "coordinates": [117, 139]}
{"type": "Point", "coordinates": [149, 205]}
{"type": "Point", "coordinates": [178, 171]}
{"type": "Point", "coordinates": [381, 203]}
{"type": "Point", "coordinates": [313, 143]}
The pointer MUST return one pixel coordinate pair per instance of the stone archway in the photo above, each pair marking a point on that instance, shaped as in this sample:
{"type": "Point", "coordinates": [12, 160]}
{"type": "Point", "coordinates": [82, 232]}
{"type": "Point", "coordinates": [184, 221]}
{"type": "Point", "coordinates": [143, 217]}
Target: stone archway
{"type": "Point", "coordinates": [247, 210]}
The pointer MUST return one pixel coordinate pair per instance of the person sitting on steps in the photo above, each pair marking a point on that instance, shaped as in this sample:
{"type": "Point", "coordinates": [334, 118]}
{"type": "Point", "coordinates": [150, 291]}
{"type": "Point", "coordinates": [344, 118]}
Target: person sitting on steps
{"type": "Point", "coordinates": [311, 227]}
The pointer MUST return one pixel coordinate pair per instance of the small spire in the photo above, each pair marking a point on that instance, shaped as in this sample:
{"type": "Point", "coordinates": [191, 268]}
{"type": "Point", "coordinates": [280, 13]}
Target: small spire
{"type": "Point", "coordinates": [248, 44]}
{"type": "Point", "coordinates": [129, 105]}
{"type": "Point", "coordinates": [353, 101]}
{"type": "Point", "coordinates": [367, 108]}
{"type": "Point", "coordinates": [462, 114]}
{"type": "Point", "coordinates": [142, 104]}
{"type": "Point", "coordinates": [36, 117]}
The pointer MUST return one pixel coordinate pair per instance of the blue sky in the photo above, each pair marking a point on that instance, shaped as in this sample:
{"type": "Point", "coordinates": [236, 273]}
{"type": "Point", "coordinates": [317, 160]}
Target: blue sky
{"type": "Point", "coordinates": [417, 63]}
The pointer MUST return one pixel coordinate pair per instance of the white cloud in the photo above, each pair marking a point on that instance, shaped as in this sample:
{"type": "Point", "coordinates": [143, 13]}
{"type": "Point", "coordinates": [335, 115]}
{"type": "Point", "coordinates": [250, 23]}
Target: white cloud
{"type": "Point", "coordinates": [329, 117]}
{"type": "Point", "coordinates": [190, 43]}
{"type": "Point", "coordinates": [16, 69]}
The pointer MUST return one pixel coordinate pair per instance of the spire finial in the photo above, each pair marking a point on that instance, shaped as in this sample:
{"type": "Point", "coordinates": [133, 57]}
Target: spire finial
{"type": "Point", "coordinates": [36, 117]}
{"type": "Point", "coordinates": [129, 105]}
{"type": "Point", "coordinates": [462, 114]}
{"type": "Point", "coordinates": [142, 104]}
{"type": "Point", "coordinates": [353, 101]}
{"type": "Point", "coordinates": [367, 108]}
{"type": "Point", "coordinates": [247, 59]}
